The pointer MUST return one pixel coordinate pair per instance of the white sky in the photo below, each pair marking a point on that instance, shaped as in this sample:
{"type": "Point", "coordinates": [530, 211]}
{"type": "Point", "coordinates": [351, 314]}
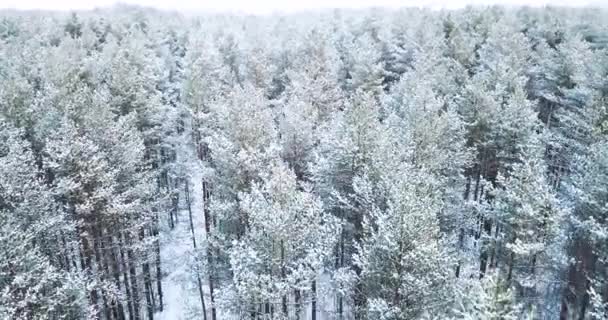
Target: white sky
{"type": "Point", "coordinates": [266, 6]}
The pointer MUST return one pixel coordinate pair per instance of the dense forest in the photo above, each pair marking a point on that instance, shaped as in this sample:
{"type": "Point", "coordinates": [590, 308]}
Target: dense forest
{"type": "Point", "coordinates": [340, 164]}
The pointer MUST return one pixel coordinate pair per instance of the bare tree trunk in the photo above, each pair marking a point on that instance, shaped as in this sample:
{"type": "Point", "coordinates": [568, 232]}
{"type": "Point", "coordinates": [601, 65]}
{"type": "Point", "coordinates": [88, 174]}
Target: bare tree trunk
{"type": "Point", "coordinates": [462, 231]}
{"type": "Point", "coordinates": [113, 263]}
{"type": "Point", "coordinates": [585, 302]}
{"type": "Point", "coordinates": [510, 268]}
{"type": "Point", "coordinates": [133, 277]}
{"type": "Point", "coordinates": [201, 294]}
{"type": "Point", "coordinates": [283, 275]}
{"type": "Point", "coordinates": [589, 266]}
{"type": "Point", "coordinates": [147, 280]}
{"type": "Point", "coordinates": [86, 261]}
{"type": "Point", "coordinates": [74, 253]}
{"type": "Point", "coordinates": [359, 297]}
{"type": "Point", "coordinates": [487, 229]}
{"type": "Point", "coordinates": [157, 262]}
{"type": "Point", "coordinates": [66, 251]}
{"type": "Point", "coordinates": [125, 277]}
{"type": "Point", "coordinates": [476, 196]}
{"type": "Point", "coordinates": [568, 295]}
{"type": "Point", "coordinates": [297, 298]}
{"type": "Point", "coordinates": [174, 209]}
{"type": "Point", "coordinates": [460, 247]}
{"type": "Point", "coordinates": [102, 270]}
{"type": "Point", "coordinates": [496, 252]}
{"type": "Point", "coordinates": [313, 306]}
{"type": "Point", "coordinates": [340, 264]}
{"type": "Point", "coordinates": [208, 253]}
{"type": "Point", "coordinates": [198, 277]}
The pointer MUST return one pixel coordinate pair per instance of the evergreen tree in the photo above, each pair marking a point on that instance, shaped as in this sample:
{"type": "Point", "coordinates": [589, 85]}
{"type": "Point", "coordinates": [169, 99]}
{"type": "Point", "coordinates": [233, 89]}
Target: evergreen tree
{"type": "Point", "coordinates": [287, 243]}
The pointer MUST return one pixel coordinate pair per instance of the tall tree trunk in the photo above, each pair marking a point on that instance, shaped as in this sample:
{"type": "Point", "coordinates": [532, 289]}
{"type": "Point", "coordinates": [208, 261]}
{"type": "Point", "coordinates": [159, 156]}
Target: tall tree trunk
{"type": "Point", "coordinates": [340, 264]}
{"type": "Point", "coordinates": [102, 270]}
{"type": "Point", "coordinates": [157, 262]}
{"type": "Point", "coordinates": [201, 294]}
{"type": "Point", "coordinates": [359, 297]}
{"type": "Point", "coordinates": [198, 277]}
{"type": "Point", "coordinates": [209, 251]}
{"type": "Point", "coordinates": [86, 260]}
{"type": "Point", "coordinates": [174, 209]}
{"type": "Point", "coordinates": [297, 299]}
{"type": "Point", "coordinates": [462, 231]}
{"type": "Point", "coordinates": [483, 258]}
{"type": "Point", "coordinates": [313, 305]}
{"type": "Point", "coordinates": [147, 280]}
{"type": "Point", "coordinates": [588, 266]}
{"type": "Point", "coordinates": [132, 276]}
{"type": "Point", "coordinates": [585, 301]}
{"type": "Point", "coordinates": [460, 248]}
{"type": "Point", "coordinates": [568, 294]}
{"type": "Point", "coordinates": [66, 253]}
{"type": "Point", "coordinates": [575, 297]}
{"type": "Point", "coordinates": [496, 252]}
{"type": "Point", "coordinates": [203, 153]}
{"type": "Point", "coordinates": [510, 268]}
{"type": "Point", "coordinates": [477, 198]}
{"type": "Point", "coordinates": [125, 277]}
{"type": "Point", "coordinates": [110, 257]}
{"type": "Point", "coordinates": [283, 276]}
{"type": "Point", "coordinates": [74, 253]}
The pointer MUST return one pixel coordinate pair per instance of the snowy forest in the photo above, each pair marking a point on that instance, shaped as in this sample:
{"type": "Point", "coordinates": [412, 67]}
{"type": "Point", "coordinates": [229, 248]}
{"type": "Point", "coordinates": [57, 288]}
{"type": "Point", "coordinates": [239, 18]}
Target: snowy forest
{"type": "Point", "coordinates": [377, 164]}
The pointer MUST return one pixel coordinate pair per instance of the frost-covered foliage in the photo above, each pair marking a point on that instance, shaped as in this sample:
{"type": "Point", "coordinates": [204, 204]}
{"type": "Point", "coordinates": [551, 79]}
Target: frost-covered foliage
{"type": "Point", "coordinates": [344, 164]}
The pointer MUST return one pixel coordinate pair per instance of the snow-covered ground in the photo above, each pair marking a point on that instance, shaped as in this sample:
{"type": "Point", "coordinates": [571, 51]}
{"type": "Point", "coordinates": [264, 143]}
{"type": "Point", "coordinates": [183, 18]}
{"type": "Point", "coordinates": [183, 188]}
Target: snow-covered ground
{"type": "Point", "coordinates": [177, 253]}
{"type": "Point", "coordinates": [176, 256]}
{"type": "Point", "coordinates": [182, 300]}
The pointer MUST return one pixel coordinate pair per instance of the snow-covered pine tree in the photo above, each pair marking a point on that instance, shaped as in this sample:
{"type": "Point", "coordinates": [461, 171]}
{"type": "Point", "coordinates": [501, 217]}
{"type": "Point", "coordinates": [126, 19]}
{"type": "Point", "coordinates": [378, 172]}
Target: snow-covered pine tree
{"type": "Point", "coordinates": [529, 243]}
{"type": "Point", "coordinates": [37, 279]}
{"type": "Point", "coordinates": [288, 241]}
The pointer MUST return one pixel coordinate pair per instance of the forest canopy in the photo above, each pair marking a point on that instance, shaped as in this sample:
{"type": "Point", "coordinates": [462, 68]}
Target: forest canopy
{"type": "Point", "coordinates": [339, 164]}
